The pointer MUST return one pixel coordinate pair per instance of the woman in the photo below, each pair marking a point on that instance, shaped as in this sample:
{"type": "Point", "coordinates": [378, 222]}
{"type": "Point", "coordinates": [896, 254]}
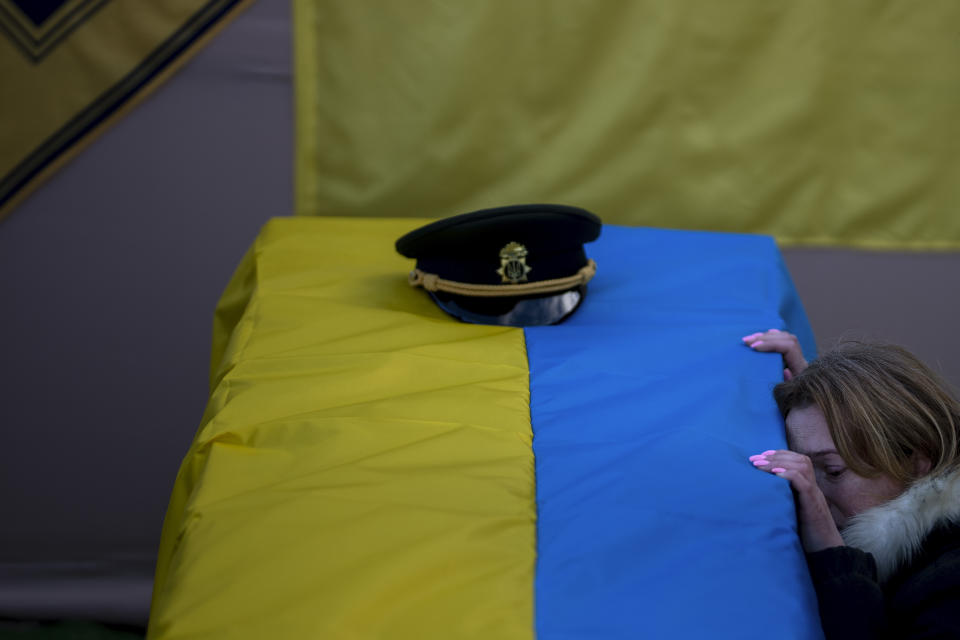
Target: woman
{"type": "Point", "coordinates": [874, 464]}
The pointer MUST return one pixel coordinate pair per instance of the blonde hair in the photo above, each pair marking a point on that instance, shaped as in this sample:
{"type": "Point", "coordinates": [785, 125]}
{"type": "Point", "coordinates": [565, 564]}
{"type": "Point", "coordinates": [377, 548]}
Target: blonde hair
{"type": "Point", "coordinates": [882, 405]}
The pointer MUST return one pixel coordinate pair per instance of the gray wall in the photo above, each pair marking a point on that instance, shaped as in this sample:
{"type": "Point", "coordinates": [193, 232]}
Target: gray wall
{"type": "Point", "coordinates": [907, 298]}
{"type": "Point", "coordinates": [109, 275]}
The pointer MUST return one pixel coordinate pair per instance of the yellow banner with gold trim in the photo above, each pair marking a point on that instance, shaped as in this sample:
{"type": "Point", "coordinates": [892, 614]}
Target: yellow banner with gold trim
{"type": "Point", "coordinates": [68, 66]}
{"type": "Point", "coordinates": [819, 122]}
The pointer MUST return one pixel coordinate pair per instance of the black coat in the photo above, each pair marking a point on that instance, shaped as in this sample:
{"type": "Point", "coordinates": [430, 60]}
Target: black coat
{"type": "Point", "coordinates": [921, 599]}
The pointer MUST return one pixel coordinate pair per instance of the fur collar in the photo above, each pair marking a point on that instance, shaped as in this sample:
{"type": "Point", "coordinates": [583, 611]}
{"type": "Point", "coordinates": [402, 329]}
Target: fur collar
{"type": "Point", "coordinates": [894, 531]}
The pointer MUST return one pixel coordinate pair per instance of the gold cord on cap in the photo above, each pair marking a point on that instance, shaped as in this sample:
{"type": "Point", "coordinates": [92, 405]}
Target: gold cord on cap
{"type": "Point", "coordinates": [433, 282]}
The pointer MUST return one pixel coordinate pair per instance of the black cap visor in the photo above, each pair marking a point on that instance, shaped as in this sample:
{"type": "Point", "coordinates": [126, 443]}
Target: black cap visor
{"type": "Point", "coordinates": [541, 310]}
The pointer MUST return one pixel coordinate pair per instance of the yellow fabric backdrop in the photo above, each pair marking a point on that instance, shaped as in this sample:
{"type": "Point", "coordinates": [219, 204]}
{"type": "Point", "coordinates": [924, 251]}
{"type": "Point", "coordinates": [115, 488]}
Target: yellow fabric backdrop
{"type": "Point", "coordinates": [820, 122]}
{"type": "Point", "coordinates": [65, 72]}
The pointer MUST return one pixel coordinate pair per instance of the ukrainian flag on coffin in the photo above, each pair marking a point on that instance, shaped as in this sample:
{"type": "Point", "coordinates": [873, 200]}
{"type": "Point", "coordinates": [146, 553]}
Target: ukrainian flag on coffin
{"type": "Point", "coordinates": [370, 468]}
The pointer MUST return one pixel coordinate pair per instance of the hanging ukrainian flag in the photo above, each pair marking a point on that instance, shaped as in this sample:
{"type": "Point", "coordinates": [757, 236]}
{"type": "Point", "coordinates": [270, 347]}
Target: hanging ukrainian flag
{"type": "Point", "coordinates": [68, 66]}
{"type": "Point", "coordinates": [818, 122]}
{"type": "Point", "coordinates": [370, 467]}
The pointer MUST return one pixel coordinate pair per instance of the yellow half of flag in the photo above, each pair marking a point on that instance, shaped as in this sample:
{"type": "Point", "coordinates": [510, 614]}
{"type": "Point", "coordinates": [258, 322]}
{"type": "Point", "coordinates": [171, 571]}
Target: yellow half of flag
{"type": "Point", "coordinates": [364, 468]}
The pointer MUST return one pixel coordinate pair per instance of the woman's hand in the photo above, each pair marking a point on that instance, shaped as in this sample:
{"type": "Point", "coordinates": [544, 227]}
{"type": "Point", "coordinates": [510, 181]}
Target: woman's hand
{"type": "Point", "coordinates": [781, 342]}
{"type": "Point", "coordinates": [817, 528]}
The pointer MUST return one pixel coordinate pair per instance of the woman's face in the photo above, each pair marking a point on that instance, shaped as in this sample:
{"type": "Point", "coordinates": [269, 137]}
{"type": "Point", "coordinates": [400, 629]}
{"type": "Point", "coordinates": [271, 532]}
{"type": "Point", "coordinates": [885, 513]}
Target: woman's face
{"type": "Point", "coordinates": [847, 493]}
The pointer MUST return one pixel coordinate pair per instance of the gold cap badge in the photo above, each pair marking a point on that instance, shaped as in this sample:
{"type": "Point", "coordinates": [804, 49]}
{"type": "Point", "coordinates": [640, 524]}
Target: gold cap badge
{"type": "Point", "coordinates": [513, 263]}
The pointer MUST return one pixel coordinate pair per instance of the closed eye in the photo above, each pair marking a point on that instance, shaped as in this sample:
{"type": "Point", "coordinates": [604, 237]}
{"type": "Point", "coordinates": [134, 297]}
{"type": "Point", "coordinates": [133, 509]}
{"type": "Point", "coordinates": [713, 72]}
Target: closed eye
{"type": "Point", "coordinates": [835, 473]}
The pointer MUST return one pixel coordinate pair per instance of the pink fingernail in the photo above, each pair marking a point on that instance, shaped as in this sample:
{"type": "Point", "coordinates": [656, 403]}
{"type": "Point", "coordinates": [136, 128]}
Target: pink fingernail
{"type": "Point", "coordinates": [768, 452]}
{"type": "Point", "coordinates": [757, 343]}
{"type": "Point", "coordinates": [760, 462]}
{"type": "Point", "coordinates": [777, 470]}
{"type": "Point", "coordinates": [774, 330]}
{"type": "Point", "coordinates": [756, 457]}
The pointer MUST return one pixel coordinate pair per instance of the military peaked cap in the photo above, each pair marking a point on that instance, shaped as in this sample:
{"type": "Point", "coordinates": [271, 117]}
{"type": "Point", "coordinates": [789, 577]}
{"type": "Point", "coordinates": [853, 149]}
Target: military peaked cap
{"type": "Point", "coordinates": [520, 265]}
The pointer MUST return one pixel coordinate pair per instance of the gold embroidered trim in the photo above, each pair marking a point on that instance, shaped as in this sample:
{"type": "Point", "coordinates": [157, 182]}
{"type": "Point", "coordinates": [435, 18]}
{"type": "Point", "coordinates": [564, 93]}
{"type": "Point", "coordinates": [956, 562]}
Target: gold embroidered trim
{"type": "Point", "coordinates": [433, 282]}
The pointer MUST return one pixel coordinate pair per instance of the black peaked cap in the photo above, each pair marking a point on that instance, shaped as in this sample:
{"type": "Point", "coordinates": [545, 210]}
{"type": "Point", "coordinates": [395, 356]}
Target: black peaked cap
{"type": "Point", "coordinates": [473, 249]}
{"type": "Point", "coordinates": [463, 247]}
